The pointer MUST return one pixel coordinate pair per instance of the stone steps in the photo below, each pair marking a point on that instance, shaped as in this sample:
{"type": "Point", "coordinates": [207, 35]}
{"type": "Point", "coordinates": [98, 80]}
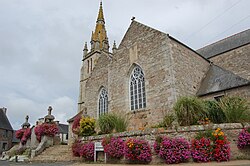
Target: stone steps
{"type": "Point", "coordinates": [56, 153]}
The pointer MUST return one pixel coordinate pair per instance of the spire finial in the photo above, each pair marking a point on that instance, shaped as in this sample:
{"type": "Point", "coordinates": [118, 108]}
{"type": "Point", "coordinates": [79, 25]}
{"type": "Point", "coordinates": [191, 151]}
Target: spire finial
{"type": "Point", "coordinates": [85, 46]}
{"type": "Point", "coordinates": [114, 45]}
{"type": "Point", "coordinates": [100, 14]}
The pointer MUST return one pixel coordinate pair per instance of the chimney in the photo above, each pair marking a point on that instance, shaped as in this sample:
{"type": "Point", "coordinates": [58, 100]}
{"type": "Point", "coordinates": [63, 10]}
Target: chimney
{"type": "Point", "coordinates": [4, 110]}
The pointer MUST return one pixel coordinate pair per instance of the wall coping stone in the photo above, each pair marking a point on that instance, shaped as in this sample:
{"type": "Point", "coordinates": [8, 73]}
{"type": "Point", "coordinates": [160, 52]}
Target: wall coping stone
{"type": "Point", "coordinates": [179, 129]}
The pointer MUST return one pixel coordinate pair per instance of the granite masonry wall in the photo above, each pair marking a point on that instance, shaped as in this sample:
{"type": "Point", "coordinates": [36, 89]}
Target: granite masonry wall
{"type": "Point", "coordinates": [189, 69]}
{"type": "Point", "coordinates": [236, 60]}
{"type": "Point", "coordinates": [231, 130]}
{"type": "Point", "coordinates": [243, 92]}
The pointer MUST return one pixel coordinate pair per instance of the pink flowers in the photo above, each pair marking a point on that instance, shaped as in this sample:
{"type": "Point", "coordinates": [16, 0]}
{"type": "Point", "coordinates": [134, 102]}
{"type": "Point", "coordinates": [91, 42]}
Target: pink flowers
{"type": "Point", "coordinates": [216, 147]}
{"type": "Point", "coordinates": [85, 150]}
{"type": "Point", "coordinates": [45, 129]}
{"type": "Point", "coordinates": [113, 147]}
{"type": "Point", "coordinates": [175, 150]}
{"type": "Point", "coordinates": [23, 135]}
{"type": "Point", "coordinates": [137, 151]}
{"type": "Point", "coordinates": [244, 138]}
{"type": "Point", "coordinates": [76, 125]}
{"type": "Point", "coordinates": [202, 150]}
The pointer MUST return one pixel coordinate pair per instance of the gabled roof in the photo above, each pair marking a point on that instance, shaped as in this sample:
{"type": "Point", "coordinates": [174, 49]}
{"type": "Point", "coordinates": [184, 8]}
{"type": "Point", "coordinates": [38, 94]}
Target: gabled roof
{"type": "Point", "coordinates": [218, 79]}
{"type": "Point", "coordinates": [63, 128]}
{"type": "Point", "coordinates": [4, 121]}
{"type": "Point", "coordinates": [72, 119]}
{"type": "Point", "coordinates": [227, 44]}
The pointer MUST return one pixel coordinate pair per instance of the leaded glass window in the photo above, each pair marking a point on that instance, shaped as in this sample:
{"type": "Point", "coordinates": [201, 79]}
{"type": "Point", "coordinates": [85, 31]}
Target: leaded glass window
{"type": "Point", "coordinates": [137, 89]}
{"type": "Point", "coordinates": [103, 102]}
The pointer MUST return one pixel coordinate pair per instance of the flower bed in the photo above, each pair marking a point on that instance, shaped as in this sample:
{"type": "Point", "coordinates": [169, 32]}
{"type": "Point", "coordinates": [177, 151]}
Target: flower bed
{"type": "Point", "coordinates": [201, 150]}
{"type": "Point", "coordinates": [85, 150]}
{"type": "Point", "coordinates": [23, 135]}
{"type": "Point", "coordinates": [173, 151]}
{"type": "Point", "coordinates": [232, 130]}
{"type": "Point", "coordinates": [45, 129]}
{"type": "Point", "coordinates": [113, 147]}
{"type": "Point", "coordinates": [244, 138]}
{"type": "Point", "coordinates": [137, 151]}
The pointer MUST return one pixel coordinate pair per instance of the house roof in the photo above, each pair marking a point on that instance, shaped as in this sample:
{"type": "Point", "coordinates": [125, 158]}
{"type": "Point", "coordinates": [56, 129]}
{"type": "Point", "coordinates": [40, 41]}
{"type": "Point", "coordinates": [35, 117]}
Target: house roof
{"type": "Point", "coordinates": [227, 44]}
{"type": "Point", "coordinates": [63, 128]}
{"type": "Point", "coordinates": [72, 119]}
{"type": "Point", "coordinates": [4, 121]}
{"type": "Point", "coordinates": [218, 79]}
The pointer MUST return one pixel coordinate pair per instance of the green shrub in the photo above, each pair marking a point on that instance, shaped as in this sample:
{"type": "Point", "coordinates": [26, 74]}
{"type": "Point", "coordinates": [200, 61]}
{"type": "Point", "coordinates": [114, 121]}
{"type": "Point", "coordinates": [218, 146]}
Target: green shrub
{"type": "Point", "coordinates": [235, 109]}
{"type": "Point", "coordinates": [110, 122]}
{"type": "Point", "coordinates": [189, 110]}
{"type": "Point", "coordinates": [205, 134]}
{"type": "Point", "coordinates": [87, 126]}
{"type": "Point", "coordinates": [214, 112]}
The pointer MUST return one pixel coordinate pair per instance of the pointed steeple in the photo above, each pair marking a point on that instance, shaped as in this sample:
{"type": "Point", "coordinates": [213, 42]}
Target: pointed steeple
{"type": "Point", "coordinates": [100, 14]}
{"type": "Point", "coordinates": [99, 39]}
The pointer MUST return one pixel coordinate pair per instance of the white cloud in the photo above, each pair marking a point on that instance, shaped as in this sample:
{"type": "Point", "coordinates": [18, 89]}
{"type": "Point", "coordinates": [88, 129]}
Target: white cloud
{"type": "Point", "coordinates": [42, 40]}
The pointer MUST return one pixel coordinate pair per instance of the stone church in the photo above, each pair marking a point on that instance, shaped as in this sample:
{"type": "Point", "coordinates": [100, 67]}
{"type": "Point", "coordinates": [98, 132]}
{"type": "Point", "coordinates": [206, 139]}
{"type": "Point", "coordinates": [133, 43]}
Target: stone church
{"type": "Point", "coordinates": [144, 76]}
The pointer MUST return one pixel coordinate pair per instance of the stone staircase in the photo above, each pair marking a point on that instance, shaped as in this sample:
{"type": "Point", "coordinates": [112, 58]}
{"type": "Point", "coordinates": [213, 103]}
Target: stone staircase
{"type": "Point", "coordinates": [56, 153]}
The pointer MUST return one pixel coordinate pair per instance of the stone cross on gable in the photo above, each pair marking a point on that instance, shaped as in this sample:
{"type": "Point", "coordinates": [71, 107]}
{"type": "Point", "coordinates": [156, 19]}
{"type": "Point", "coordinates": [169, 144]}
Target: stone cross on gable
{"type": "Point", "coordinates": [27, 118]}
{"type": "Point", "coordinates": [49, 110]}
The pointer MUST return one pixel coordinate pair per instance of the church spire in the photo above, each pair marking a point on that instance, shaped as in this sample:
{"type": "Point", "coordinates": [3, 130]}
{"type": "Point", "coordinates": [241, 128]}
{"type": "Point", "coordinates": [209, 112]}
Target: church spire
{"type": "Point", "coordinates": [99, 39]}
{"type": "Point", "coordinates": [100, 14]}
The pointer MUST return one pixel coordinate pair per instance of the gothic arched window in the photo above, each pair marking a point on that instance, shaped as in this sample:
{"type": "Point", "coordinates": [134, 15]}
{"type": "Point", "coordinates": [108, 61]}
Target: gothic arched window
{"type": "Point", "coordinates": [137, 89]}
{"type": "Point", "coordinates": [103, 102]}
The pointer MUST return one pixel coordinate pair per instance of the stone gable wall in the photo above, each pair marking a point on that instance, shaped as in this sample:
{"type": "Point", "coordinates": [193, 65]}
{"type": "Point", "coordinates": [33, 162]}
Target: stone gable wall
{"type": "Point", "coordinates": [149, 49]}
{"type": "Point", "coordinates": [236, 60]}
{"type": "Point", "coordinates": [189, 69]}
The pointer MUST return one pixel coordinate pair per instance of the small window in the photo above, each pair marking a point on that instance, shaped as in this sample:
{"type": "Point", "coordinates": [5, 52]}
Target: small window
{"type": "Point", "coordinates": [218, 98]}
{"type": "Point", "coordinates": [4, 146]}
{"type": "Point", "coordinates": [88, 66]}
{"type": "Point", "coordinates": [91, 67]}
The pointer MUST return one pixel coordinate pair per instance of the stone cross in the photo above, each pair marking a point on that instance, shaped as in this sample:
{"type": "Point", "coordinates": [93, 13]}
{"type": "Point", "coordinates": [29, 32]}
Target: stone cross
{"type": "Point", "coordinates": [49, 110]}
{"type": "Point", "coordinates": [27, 118]}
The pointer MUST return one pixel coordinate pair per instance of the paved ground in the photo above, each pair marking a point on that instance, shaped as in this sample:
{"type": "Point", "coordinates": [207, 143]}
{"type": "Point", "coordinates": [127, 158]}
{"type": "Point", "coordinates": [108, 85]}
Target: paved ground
{"type": "Point", "coordinates": [231, 163]}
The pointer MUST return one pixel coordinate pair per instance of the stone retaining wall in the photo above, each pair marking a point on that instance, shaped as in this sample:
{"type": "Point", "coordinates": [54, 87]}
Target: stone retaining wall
{"type": "Point", "coordinates": [231, 130]}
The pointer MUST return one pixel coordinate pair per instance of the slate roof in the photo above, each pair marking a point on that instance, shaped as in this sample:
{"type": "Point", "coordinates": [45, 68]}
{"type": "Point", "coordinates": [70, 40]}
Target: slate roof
{"type": "Point", "coordinates": [224, 45]}
{"type": "Point", "coordinates": [218, 79]}
{"type": "Point", "coordinates": [72, 119]}
{"type": "Point", "coordinates": [4, 121]}
{"type": "Point", "coordinates": [63, 128]}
